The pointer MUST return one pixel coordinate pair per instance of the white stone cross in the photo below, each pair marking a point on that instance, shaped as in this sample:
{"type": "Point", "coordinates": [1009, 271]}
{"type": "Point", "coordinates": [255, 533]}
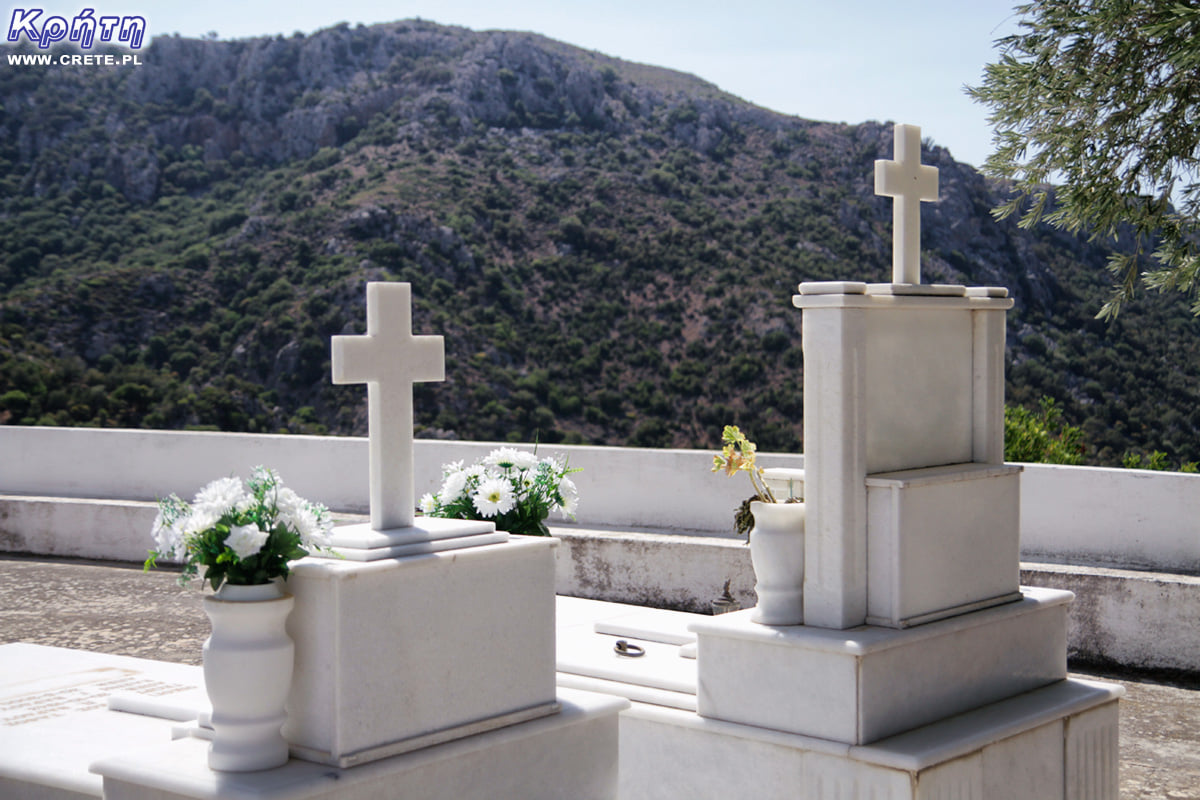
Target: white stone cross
{"type": "Point", "coordinates": [389, 359]}
{"type": "Point", "coordinates": [908, 181]}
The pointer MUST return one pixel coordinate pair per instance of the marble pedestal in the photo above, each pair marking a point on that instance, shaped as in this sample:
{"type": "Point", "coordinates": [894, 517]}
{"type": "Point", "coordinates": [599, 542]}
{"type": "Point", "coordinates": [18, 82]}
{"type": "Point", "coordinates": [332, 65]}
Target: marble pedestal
{"type": "Point", "coordinates": [861, 685]}
{"type": "Point", "coordinates": [398, 654]}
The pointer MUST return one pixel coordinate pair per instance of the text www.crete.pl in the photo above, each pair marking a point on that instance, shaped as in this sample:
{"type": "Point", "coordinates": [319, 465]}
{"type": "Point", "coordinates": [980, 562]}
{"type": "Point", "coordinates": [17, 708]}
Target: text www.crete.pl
{"type": "Point", "coordinates": [74, 59]}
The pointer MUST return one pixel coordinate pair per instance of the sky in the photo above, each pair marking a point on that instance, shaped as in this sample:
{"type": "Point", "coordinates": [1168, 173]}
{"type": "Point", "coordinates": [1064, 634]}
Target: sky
{"type": "Point", "coordinates": [819, 59]}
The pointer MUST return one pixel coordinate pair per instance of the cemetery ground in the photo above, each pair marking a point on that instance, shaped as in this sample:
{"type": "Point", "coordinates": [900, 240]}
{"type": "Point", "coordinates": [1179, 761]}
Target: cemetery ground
{"type": "Point", "coordinates": [112, 607]}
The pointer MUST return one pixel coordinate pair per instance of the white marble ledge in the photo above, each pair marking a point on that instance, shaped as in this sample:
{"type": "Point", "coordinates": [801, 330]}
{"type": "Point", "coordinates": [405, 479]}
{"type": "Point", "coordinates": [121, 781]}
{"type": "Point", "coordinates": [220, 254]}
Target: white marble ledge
{"type": "Point", "coordinates": [751, 733]}
{"type": "Point", "coordinates": [423, 529]}
{"type": "Point", "coordinates": [832, 287]}
{"type": "Point", "coordinates": [947, 473]}
{"type": "Point", "coordinates": [968, 732]}
{"type": "Point", "coordinates": [968, 301]}
{"type": "Point", "coordinates": [866, 639]}
{"type": "Point", "coordinates": [651, 625]}
{"type": "Point", "coordinates": [180, 769]}
{"type": "Point", "coordinates": [918, 289]}
{"type": "Point", "coordinates": [925, 747]}
{"type": "Point", "coordinates": [684, 701]}
{"type": "Point", "coordinates": [337, 569]}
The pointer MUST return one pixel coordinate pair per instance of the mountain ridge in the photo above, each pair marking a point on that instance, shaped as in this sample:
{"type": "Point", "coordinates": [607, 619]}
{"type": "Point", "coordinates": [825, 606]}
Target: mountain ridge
{"type": "Point", "coordinates": [609, 248]}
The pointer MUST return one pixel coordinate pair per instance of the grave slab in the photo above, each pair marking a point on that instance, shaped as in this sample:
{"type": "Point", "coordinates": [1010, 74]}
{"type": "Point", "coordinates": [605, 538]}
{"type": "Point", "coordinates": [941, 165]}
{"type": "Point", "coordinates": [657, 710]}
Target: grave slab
{"type": "Point", "coordinates": [571, 754]}
{"type": "Point", "coordinates": [55, 715]}
{"type": "Point", "coordinates": [397, 654]}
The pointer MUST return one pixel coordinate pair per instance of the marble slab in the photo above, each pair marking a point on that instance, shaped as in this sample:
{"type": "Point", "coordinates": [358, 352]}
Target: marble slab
{"type": "Point", "coordinates": [651, 625]}
{"type": "Point", "coordinates": [571, 754]}
{"type": "Point", "coordinates": [582, 652]}
{"type": "Point", "coordinates": [55, 715]}
{"type": "Point", "coordinates": [864, 684]}
{"type": "Point", "coordinates": [832, 287]}
{"type": "Point", "coordinates": [917, 289]}
{"type": "Point", "coordinates": [361, 542]}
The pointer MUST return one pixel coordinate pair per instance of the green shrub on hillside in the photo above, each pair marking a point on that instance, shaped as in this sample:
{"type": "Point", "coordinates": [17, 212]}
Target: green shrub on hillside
{"type": "Point", "coordinates": [1041, 436]}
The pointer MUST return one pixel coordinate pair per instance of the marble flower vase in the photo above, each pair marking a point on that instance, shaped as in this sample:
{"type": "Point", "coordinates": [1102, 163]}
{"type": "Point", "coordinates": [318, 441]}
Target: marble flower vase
{"type": "Point", "coordinates": [248, 663]}
{"type": "Point", "coordinates": [777, 554]}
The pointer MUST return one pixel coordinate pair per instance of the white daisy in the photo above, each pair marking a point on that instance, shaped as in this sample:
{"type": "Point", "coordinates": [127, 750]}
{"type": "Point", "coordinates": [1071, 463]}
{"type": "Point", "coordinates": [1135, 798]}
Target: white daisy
{"type": "Point", "coordinates": [494, 496]}
{"type": "Point", "coordinates": [503, 457]}
{"type": "Point", "coordinates": [524, 460]}
{"type": "Point", "coordinates": [570, 496]}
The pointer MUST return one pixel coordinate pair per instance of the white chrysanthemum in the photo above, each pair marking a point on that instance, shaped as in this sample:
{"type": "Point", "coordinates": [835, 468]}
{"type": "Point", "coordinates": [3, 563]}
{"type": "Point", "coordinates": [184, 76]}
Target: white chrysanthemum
{"type": "Point", "coordinates": [289, 505]}
{"type": "Point", "coordinates": [318, 527]}
{"type": "Point", "coordinates": [199, 520]}
{"type": "Point", "coordinates": [570, 496]}
{"type": "Point", "coordinates": [452, 467]}
{"type": "Point", "coordinates": [428, 503]}
{"type": "Point", "coordinates": [494, 496]}
{"type": "Point", "coordinates": [168, 539]}
{"type": "Point", "coordinates": [525, 460]}
{"type": "Point", "coordinates": [501, 457]}
{"type": "Point", "coordinates": [220, 496]}
{"type": "Point", "coordinates": [303, 517]}
{"type": "Point", "coordinates": [475, 471]}
{"type": "Point", "coordinates": [453, 486]}
{"type": "Point", "coordinates": [246, 540]}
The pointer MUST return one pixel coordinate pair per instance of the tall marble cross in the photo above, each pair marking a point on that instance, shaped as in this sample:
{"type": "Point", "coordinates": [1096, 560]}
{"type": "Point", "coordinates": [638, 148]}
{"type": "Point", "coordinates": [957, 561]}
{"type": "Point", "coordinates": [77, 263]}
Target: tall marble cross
{"type": "Point", "coordinates": [908, 181]}
{"type": "Point", "coordinates": [389, 359]}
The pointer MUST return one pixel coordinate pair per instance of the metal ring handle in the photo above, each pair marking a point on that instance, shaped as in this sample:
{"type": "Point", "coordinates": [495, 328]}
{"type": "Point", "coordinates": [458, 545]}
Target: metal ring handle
{"type": "Point", "coordinates": [624, 648]}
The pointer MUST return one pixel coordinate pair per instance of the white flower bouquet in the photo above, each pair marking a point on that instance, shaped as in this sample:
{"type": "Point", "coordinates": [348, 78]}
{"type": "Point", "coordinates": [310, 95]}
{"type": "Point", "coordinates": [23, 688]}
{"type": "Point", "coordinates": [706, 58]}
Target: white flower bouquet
{"type": "Point", "coordinates": [241, 534]}
{"type": "Point", "coordinates": [512, 487]}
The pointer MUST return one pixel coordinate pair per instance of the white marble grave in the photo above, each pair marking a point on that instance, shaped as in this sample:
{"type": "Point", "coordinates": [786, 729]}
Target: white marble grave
{"type": "Point", "coordinates": [424, 655]}
{"type": "Point", "coordinates": [922, 669]}
{"type": "Point", "coordinates": [1050, 743]}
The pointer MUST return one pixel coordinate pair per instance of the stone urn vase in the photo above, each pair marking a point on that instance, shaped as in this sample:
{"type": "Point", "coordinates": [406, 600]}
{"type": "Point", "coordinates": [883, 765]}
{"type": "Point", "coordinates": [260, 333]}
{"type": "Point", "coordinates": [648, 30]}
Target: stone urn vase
{"type": "Point", "coordinates": [248, 663]}
{"type": "Point", "coordinates": [777, 554]}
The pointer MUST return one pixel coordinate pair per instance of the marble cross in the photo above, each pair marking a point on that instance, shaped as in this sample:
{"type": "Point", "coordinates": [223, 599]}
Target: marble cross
{"type": "Point", "coordinates": [389, 359]}
{"type": "Point", "coordinates": [908, 181]}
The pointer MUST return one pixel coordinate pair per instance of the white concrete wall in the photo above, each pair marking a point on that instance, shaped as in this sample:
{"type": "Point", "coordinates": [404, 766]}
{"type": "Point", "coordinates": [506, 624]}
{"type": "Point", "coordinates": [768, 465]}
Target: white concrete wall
{"type": "Point", "coordinates": [672, 490]}
{"type": "Point", "coordinates": [1081, 515]}
{"type": "Point", "coordinates": [1111, 517]}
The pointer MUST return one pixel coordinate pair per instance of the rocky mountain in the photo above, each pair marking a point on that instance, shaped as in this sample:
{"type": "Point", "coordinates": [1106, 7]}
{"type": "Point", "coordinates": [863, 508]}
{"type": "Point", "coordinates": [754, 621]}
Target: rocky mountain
{"type": "Point", "coordinates": [609, 248]}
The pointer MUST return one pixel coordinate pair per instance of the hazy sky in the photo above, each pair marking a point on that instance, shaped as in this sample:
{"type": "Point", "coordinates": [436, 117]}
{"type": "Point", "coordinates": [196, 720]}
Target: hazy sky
{"type": "Point", "coordinates": [820, 59]}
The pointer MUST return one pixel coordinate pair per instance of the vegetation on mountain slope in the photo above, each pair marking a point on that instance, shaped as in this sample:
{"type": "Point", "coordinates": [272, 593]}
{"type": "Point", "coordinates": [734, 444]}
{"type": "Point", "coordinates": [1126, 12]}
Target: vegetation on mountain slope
{"type": "Point", "coordinates": [609, 249]}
